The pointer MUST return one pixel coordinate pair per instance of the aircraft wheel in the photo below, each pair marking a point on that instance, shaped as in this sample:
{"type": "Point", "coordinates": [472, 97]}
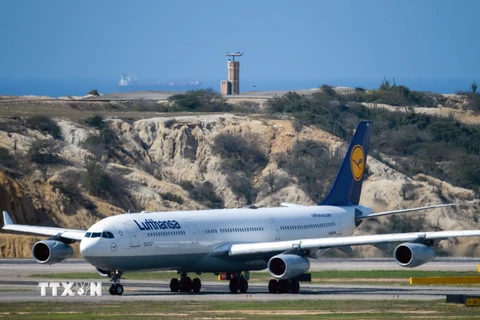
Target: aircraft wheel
{"type": "Point", "coordinates": [185, 284]}
{"type": "Point", "coordinates": [111, 290]}
{"type": "Point", "coordinates": [233, 286]}
{"type": "Point", "coordinates": [196, 285]}
{"type": "Point", "coordinates": [174, 285]}
{"type": "Point", "coordinates": [242, 285]}
{"type": "Point", "coordinates": [272, 286]}
{"type": "Point", "coordinates": [295, 286]}
{"type": "Point", "coordinates": [283, 286]}
{"type": "Point", "coordinates": [118, 289]}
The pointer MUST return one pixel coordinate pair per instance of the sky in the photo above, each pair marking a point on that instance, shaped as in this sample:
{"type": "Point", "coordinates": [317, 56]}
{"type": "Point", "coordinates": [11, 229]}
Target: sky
{"type": "Point", "coordinates": [280, 39]}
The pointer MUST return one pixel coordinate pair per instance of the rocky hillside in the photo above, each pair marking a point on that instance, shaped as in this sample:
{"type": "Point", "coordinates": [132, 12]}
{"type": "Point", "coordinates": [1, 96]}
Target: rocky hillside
{"type": "Point", "coordinates": [173, 163]}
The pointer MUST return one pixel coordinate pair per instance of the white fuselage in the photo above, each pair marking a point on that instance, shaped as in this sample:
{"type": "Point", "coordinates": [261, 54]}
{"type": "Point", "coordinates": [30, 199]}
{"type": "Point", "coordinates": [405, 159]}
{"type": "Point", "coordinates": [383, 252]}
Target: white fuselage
{"type": "Point", "coordinates": [198, 240]}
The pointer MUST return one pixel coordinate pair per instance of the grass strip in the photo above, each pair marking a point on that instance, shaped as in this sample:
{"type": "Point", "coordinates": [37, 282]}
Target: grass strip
{"type": "Point", "coordinates": [287, 309]}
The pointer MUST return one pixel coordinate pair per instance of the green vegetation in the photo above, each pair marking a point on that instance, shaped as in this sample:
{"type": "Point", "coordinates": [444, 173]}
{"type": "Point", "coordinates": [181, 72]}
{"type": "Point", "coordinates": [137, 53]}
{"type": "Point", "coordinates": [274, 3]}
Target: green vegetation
{"type": "Point", "coordinates": [203, 193]}
{"type": "Point", "coordinates": [68, 190]}
{"type": "Point", "coordinates": [97, 181]}
{"type": "Point", "coordinates": [242, 157]}
{"type": "Point", "coordinates": [6, 159]}
{"type": "Point", "coordinates": [248, 309]}
{"type": "Point", "coordinates": [418, 143]}
{"type": "Point", "coordinates": [46, 125]}
{"type": "Point", "coordinates": [95, 121]}
{"type": "Point", "coordinates": [171, 197]}
{"type": "Point", "coordinates": [44, 152]}
{"type": "Point", "coordinates": [103, 144]}
{"type": "Point", "coordinates": [204, 100]}
{"type": "Point", "coordinates": [312, 164]}
{"type": "Point", "coordinates": [239, 153]}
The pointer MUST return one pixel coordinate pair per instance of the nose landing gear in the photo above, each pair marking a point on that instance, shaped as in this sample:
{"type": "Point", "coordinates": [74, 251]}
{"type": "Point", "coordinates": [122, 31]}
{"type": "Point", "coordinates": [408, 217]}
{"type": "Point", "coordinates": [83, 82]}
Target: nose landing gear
{"type": "Point", "coordinates": [116, 288]}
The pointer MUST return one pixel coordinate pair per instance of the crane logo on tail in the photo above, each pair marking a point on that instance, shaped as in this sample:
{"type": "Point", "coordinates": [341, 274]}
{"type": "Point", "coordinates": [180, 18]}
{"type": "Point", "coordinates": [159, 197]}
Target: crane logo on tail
{"type": "Point", "coordinates": [357, 162]}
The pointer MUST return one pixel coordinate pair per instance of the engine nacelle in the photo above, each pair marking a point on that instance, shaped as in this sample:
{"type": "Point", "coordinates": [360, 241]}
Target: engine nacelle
{"type": "Point", "coordinates": [51, 251]}
{"type": "Point", "coordinates": [287, 266]}
{"type": "Point", "coordinates": [412, 255]}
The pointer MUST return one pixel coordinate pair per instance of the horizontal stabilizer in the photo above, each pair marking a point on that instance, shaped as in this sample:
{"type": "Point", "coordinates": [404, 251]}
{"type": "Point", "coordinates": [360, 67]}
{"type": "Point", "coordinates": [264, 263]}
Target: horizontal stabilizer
{"type": "Point", "coordinates": [386, 213]}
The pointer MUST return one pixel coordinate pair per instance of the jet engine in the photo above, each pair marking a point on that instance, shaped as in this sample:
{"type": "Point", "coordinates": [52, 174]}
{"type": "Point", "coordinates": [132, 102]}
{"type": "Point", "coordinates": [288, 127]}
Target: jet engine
{"type": "Point", "coordinates": [412, 255]}
{"type": "Point", "coordinates": [51, 251]}
{"type": "Point", "coordinates": [287, 266]}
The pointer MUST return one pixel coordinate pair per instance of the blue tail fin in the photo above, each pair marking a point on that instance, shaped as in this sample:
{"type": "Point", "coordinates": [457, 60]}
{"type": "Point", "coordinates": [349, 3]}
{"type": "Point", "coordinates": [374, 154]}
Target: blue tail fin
{"type": "Point", "coordinates": [348, 184]}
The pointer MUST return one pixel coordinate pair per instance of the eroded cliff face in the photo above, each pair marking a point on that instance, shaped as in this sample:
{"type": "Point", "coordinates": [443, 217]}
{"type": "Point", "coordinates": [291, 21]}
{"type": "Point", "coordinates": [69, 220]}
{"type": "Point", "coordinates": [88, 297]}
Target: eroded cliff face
{"type": "Point", "coordinates": [156, 157]}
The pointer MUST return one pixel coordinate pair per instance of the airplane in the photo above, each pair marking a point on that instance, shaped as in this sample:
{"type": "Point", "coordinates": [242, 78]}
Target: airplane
{"type": "Point", "coordinates": [234, 242]}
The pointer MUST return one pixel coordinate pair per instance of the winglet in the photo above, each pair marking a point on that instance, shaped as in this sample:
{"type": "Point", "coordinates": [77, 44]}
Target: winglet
{"type": "Point", "coordinates": [6, 219]}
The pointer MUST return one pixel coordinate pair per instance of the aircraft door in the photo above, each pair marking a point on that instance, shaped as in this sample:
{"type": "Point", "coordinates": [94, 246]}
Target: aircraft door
{"type": "Point", "coordinates": [192, 228]}
{"type": "Point", "coordinates": [133, 232]}
{"type": "Point", "coordinates": [276, 230]}
{"type": "Point", "coordinates": [339, 225]}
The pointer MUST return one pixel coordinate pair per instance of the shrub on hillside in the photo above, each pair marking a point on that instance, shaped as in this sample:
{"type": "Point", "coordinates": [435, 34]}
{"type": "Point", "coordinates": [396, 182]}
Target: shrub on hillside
{"type": "Point", "coordinates": [247, 106]}
{"type": "Point", "coordinates": [205, 100]}
{"type": "Point", "coordinates": [68, 189]}
{"type": "Point", "coordinates": [95, 121]}
{"type": "Point", "coordinates": [44, 152]}
{"type": "Point", "coordinates": [101, 144]}
{"type": "Point", "coordinates": [290, 102]}
{"type": "Point", "coordinates": [171, 197]}
{"type": "Point", "coordinates": [97, 181]}
{"type": "Point", "coordinates": [239, 153]}
{"type": "Point", "coordinates": [44, 124]}
{"type": "Point", "coordinates": [6, 159]}
{"type": "Point", "coordinates": [204, 193]}
{"type": "Point", "coordinates": [242, 187]}
{"type": "Point", "coordinates": [328, 90]}
{"type": "Point", "coordinates": [312, 164]}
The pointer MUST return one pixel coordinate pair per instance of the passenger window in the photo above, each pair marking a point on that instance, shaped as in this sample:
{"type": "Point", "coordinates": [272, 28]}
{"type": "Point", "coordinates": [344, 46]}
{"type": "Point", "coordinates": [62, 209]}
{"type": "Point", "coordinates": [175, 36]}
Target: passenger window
{"type": "Point", "coordinates": [88, 234]}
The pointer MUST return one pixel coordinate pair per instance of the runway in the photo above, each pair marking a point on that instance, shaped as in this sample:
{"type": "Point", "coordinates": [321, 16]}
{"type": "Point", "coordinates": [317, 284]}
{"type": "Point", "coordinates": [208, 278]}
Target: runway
{"type": "Point", "coordinates": [16, 286]}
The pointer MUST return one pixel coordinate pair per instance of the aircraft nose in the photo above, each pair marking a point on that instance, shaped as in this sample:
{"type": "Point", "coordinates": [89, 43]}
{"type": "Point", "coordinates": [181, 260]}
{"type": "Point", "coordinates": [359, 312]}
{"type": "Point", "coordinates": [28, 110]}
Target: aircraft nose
{"type": "Point", "coordinates": [87, 247]}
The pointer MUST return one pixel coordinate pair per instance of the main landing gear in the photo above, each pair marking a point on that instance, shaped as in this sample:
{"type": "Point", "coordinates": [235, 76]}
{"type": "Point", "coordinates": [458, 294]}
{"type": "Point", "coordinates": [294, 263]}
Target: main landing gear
{"type": "Point", "coordinates": [284, 286]}
{"type": "Point", "coordinates": [238, 284]}
{"type": "Point", "coordinates": [185, 284]}
{"type": "Point", "coordinates": [116, 288]}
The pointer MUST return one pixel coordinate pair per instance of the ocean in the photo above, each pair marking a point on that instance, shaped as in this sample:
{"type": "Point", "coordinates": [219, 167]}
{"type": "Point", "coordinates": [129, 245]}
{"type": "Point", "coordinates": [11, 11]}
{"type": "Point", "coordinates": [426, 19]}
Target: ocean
{"type": "Point", "coordinates": [80, 87]}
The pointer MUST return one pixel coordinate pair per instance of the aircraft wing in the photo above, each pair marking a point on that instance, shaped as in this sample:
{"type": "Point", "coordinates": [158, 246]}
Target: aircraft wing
{"type": "Point", "coordinates": [323, 243]}
{"type": "Point", "coordinates": [71, 234]}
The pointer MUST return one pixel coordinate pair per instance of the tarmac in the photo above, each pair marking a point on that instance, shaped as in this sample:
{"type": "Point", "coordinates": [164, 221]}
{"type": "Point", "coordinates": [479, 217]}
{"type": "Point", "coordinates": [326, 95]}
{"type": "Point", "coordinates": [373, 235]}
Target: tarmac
{"type": "Point", "coordinates": [17, 286]}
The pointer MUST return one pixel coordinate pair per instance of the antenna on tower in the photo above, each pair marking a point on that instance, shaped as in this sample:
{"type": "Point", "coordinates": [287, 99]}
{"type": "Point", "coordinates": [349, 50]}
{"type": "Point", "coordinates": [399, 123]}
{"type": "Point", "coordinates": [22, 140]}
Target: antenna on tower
{"type": "Point", "coordinates": [234, 54]}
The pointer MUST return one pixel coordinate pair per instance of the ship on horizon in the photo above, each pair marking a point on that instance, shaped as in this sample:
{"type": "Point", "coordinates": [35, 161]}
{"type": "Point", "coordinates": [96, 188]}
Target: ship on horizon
{"type": "Point", "coordinates": [129, 83]}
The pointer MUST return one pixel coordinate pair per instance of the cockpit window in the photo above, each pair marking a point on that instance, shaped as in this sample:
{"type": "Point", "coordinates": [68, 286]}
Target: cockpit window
{"type": "Point", "coordinates": [88, 234]}
{"type": "Point", "coordinates": [107, 234]}
{"type": "Point", "coordinates": [96, 234]}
